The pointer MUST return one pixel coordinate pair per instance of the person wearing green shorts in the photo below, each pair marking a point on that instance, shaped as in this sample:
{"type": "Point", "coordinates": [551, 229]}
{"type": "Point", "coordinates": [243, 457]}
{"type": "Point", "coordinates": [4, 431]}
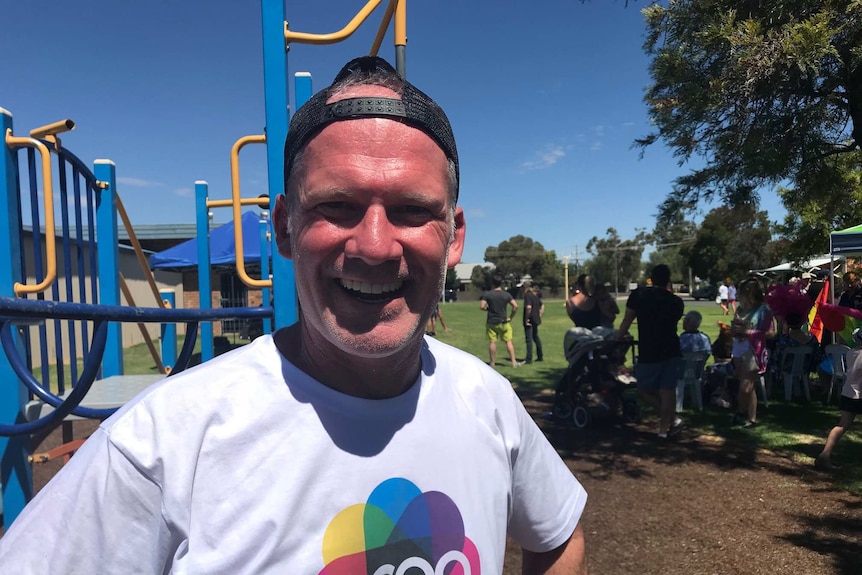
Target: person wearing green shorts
{"type": "Point", "coordinates": [499, 323]}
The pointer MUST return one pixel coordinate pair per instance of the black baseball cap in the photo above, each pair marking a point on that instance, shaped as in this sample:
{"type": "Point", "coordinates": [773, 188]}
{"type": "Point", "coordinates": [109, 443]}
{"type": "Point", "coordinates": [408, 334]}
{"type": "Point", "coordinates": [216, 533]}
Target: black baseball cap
{"type": "Point", "coordinates": [414, 108]}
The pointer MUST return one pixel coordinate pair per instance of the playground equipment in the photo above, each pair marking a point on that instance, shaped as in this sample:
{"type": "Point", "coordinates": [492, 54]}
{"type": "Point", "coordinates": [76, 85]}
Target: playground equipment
{"type": "Point", "coordinates": [71, 308]}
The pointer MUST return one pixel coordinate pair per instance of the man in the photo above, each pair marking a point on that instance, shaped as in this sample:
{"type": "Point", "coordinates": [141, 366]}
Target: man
{"type": "Point", "coordinates": [534, 308]}
{"type": "Point", "coordinates": [851, 296]}
{"type": "Point", "coordinates": [348, 442]}
{"type": "Point", "coordinates": [657, 371]}
{"type": "Point", "coordinates": [498, 325]}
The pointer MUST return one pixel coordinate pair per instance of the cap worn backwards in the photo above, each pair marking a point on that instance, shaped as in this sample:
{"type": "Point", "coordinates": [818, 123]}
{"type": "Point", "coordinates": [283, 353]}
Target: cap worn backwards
{"type": "Point", "coordinates": [414, 108]}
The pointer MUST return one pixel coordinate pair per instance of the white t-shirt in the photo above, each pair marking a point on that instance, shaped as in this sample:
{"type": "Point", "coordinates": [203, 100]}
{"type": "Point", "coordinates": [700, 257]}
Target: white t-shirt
{"type": "Point", "coordinates": [722, 291]}
{"type": "Point", "coordinates": [853, 377]}
{"type": "Point", "coordinates": [246, 465]}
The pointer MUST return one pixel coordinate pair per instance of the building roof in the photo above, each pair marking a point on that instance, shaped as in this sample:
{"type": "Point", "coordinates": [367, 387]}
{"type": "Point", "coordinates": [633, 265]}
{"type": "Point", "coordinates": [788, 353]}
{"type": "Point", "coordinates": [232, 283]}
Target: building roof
{"type": "Point", "coordinates": [465, 271]}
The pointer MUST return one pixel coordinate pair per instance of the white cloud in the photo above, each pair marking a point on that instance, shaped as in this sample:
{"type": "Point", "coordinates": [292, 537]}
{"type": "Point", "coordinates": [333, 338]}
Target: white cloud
{"type": "Point", "coordinates": [545, 158]}
{"type": "Point", "coordinates": [476, 213]}
{"type": "Point", "coordinates": [184, 192]}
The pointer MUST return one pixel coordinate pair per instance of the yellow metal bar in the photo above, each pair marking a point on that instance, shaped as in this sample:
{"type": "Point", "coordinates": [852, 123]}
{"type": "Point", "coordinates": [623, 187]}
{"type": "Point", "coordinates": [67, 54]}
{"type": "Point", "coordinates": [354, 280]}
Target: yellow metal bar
{"type": "Point", "coordinates": [262, 202]}
{"type": "Point", "coordinates": [142, 260]}
{"type": "Point", "coordinates": [401, 23]}
{"type": "Point", "coordinates": [384, 25]}
{"type": "Point", "coordinates": [48, 192]}
{"type": "Point", "coordinates": [52, 129]}
{"type": "Point", "coordinates": [127, 293]}
{"type": "Point", "coordinates": [332, 38]}
{"type": "Point", "coordinates": [237, 213]}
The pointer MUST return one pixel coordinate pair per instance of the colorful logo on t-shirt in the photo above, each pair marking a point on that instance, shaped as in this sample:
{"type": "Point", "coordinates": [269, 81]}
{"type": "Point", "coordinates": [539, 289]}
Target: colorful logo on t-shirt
{"type": "Point", "coordinates": [399, 531]}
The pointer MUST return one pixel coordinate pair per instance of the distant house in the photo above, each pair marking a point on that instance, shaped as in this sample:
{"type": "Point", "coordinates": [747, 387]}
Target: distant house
{"type": "Point", "coordinates": [465, 272]}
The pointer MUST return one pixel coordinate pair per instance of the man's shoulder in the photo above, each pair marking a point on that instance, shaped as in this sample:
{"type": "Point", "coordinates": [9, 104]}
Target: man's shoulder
{"type": "Point", "coordinates": [209, 385]}
{"type": "Point", "coordinates": [463, 371]}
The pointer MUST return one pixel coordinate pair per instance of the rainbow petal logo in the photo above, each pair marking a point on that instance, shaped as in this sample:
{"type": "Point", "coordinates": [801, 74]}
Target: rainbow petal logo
{"type": "Point", "coordinates": [399, 531]}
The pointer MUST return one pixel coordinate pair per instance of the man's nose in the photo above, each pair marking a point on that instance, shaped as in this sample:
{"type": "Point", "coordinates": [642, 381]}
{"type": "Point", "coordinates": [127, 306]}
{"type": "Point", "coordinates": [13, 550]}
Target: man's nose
{"type": "Point", "coordinates": [374, 239]}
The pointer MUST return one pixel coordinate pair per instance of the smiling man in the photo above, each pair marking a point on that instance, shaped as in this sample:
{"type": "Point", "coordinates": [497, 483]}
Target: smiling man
{"type": "Point", "coordinates": [348, 443]}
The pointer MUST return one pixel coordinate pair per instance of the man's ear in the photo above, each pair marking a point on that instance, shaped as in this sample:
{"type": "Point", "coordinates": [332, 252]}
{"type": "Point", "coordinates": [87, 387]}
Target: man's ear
{"type": "Point", "coordinates": [456, 248]}
{"type": "Point", "coordinates": [279, 224]}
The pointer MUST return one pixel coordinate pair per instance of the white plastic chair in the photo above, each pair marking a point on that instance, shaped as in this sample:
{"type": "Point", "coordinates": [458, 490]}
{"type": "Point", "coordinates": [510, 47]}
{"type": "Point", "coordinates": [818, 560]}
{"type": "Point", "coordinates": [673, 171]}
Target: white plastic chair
{"type": "Point", "coordinates": [798, 358]}
{"type": "Point", "coordinates": [761, 387]}
{"type": "Point", "coordinates": [692, 371]}
{"type": "Point", "coordinates": [838, 353]}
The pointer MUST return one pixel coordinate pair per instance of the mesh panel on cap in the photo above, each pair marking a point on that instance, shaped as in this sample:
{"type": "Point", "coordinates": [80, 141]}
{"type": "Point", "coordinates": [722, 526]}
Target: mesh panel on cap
{"type": "Point", "coordinates": [414, 108]}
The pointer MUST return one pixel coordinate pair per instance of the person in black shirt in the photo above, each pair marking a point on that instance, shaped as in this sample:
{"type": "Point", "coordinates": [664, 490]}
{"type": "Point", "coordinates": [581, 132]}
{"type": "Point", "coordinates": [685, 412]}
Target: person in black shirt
{"type": "Point", "coordinates": [533, 310]}
{"type": "Point", "coordinates": [658, 311]}
{"type": "Point", "coordinates": [498, 326]}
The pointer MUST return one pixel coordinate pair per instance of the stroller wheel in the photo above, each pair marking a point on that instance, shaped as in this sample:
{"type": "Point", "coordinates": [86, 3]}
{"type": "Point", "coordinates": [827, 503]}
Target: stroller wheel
{"type": "Point", "coordinates": [563, 410]}
{"type": "Point", "coordinates": [581, 417]}
{"type": "Point", "coordinates": [631, 411]}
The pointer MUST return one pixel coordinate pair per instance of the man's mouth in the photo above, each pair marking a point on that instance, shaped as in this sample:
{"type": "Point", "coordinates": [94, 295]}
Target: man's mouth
{"type": "Point", "coordinates": [368, 291]}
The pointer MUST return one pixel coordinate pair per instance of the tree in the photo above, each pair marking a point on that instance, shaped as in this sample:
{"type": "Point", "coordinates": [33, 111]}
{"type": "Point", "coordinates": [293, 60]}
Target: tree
{"type": "Point", "coordinates": [480, 278]}
{"type": "Point", "coordinates": [517, 256]}
{"type": "Point", "coordinates": [614, 260]}
{"type": "Point", "coordinates": [553, 273]}
{"type": "Point", "coordinates": [730, 242]}
{"type": "Point", "coordinates": [452, 281]}
{"type": "Point", "coordinates": [765, 92]}
{"type": "Point", "coordinates": [809, 219]}
{"type": "Point", "coordinates": [674, 239]}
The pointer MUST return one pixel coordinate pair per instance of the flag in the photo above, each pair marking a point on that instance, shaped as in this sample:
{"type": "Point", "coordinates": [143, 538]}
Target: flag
{"type": "Point", "coordinates": [815, 320]}
{"type": "Point", "coordinates": [841, 320]}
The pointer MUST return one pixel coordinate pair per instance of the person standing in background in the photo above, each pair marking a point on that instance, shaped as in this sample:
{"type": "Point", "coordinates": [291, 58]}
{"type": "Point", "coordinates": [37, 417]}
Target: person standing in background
{"type": "Point", "coordinates": [534, 308]}
{"type": "Point", "coordinates": [498, 325]}
{"type": "Point", "coordinates": [731, 296]}
{"type": "Point", "coordinates": [722, 297]}
{"type": "Point", "coordinates": [608, 305]}
{"type": "Point", "coordinates": [583, 307]}
{"type": "Point", "coordinates": [850, 404]}
{"type": "Point", "coordinates": [657, 371]}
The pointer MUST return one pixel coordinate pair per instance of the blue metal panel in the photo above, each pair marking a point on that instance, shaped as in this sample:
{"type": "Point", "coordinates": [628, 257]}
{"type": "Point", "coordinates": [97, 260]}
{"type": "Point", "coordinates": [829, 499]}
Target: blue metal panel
{"type": "Point", "coordinates": [204, 284]}
{"type": "Point", "coordinates": [108, 259]}
{"type": "Point", "coordinates": [169, 333]}
{"type": "Point", "coordinates": [264, 266]}
{"type": "Point", "coordinates": [16, 475]}
{"type": "Point", "coordinates": [276, 100]}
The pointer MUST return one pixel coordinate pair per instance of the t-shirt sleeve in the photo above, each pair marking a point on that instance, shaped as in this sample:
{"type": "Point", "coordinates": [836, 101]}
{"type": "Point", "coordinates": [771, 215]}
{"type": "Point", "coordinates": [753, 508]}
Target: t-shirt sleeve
{"type": "Point", "coordinates": [100, 514]}
{"type": "Point", "coordinates": [547, 500]}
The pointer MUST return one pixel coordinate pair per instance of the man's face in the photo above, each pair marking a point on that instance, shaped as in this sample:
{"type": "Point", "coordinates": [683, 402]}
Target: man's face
{"type": "Point", "coordinates": [371, 236]}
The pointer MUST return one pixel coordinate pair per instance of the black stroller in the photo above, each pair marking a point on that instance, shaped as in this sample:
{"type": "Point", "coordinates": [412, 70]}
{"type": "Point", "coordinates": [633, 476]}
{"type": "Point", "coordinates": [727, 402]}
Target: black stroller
{"type": "Point", "coordinates": [592, 388]}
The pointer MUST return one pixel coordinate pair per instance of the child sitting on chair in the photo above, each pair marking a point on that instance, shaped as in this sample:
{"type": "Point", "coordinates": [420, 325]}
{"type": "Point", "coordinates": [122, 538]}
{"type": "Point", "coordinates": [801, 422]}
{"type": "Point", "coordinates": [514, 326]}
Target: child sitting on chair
{"type": "Point", "coordinates": [692, 339]}
{"type": "Point", "coordinates": [721, 369]}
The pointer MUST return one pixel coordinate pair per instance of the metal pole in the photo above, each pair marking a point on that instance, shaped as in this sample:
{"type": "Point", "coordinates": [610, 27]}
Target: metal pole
{"type": "Point", "coordinates": [566, 276]}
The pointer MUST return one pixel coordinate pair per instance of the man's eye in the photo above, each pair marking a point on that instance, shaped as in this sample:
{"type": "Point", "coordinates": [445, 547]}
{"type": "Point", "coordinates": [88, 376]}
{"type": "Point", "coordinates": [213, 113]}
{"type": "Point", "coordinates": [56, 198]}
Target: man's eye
{"type": "Point", "coordinates": [336, 208]}
{"type": "Point", "coordinates": [412, 213]}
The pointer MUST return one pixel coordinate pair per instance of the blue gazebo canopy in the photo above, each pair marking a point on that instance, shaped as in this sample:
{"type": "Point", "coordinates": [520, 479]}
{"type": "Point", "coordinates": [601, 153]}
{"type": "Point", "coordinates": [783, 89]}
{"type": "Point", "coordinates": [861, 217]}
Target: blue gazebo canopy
{"type": "Point", "coordinates": [222, 249]}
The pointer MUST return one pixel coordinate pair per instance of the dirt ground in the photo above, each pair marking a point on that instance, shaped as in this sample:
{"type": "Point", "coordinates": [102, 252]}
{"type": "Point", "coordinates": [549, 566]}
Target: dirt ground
{"type": "Point", "coordinates": [689, 506]}
{"type": "Point", "coordinates": [698, 505]}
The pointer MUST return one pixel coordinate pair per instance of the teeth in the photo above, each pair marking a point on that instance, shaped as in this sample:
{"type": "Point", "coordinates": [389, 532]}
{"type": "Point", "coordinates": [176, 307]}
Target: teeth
{"type": "Point", "coordinates": [365, 287]}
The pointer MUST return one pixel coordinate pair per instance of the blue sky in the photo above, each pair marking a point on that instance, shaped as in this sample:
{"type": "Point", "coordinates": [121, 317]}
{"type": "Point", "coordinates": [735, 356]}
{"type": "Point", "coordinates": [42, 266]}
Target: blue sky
{"type": "Point", "coordinates": [545, 98]}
